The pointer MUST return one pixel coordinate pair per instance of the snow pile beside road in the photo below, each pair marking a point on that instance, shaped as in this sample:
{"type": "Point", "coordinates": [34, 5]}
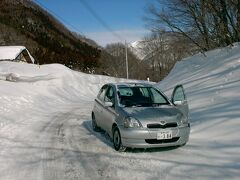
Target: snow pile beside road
{"type": "Point", "coordinates": [54, 78]}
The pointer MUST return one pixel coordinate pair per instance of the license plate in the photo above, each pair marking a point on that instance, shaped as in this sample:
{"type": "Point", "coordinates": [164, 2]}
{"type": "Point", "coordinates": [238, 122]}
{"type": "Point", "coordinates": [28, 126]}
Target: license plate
{"type": "Point", "coordinates": [164, 135]}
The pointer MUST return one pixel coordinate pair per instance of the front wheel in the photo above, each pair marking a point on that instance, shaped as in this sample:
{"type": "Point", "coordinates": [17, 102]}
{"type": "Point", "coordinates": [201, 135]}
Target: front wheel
{"type": "Point", "coordinates": [94, 124]}
{"type": "Point", "coordinates": [117, 142]}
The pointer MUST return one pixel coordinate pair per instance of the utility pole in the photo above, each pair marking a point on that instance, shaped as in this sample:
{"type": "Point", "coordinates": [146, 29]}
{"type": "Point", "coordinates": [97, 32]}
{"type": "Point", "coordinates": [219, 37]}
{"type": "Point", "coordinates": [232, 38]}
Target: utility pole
{"type": "Point", "coordinates": [126, 58]}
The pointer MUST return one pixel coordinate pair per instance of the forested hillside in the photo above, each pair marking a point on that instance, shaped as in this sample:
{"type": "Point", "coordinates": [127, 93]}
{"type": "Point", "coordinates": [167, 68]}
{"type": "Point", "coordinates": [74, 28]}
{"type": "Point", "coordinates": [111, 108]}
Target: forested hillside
{"type": "Point", "coordinates": [22, 22]}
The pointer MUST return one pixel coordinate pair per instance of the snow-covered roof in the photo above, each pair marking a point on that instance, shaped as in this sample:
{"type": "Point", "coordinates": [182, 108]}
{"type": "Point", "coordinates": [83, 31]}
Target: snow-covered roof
{"type": "Point", "coordinates": [12, 52]}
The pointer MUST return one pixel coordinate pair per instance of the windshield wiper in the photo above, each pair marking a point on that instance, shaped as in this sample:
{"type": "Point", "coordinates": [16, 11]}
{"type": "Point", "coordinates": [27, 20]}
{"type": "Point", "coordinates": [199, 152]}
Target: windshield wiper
{"type": "Point", "coordinates": [145, 104]}
{"type": "Point", "coordinates": [135, 105]}
{"type": "Point", "coordinates": [159, 104]}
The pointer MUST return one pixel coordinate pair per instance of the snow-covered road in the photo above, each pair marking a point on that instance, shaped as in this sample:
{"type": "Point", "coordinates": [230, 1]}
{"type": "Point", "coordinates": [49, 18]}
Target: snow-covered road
{"type": "Point", "coordinates": [63, 146]}
{"type": "Point", "coordinates": [45, 125]}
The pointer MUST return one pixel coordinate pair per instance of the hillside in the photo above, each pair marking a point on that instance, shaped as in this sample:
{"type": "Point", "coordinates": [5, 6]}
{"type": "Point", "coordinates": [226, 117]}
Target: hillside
{"type": "Point", "coordinates": [22, 22]}
{"type": "Point", "coordinates": [45, 124]}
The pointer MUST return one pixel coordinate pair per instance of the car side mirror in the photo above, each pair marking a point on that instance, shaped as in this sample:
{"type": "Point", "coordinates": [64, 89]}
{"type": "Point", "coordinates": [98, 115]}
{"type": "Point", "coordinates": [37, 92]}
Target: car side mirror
{"type": "Point", "coordinates": [108, 104]}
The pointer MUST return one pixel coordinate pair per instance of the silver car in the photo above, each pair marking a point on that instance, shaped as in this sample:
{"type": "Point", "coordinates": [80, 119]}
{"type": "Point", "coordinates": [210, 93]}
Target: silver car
{"type": "Point", "coordinates": [139, 115]}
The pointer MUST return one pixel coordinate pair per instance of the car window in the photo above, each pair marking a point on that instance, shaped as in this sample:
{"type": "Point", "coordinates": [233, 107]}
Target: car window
{"type": "Point", "coordinates": [156, 98]}
{"type": "Point", "coordinates": [145, 92]}
{"type": "Point", "coordinates": [109, 95]}
{"type": "Point", "coordinates": [179, 94]}
{"type": "Point", "coordinates": [102, 93]}
{"type": "Point", "coordinates": [140, 96]}
{"type": "Point", "coordinates": [126, 91]}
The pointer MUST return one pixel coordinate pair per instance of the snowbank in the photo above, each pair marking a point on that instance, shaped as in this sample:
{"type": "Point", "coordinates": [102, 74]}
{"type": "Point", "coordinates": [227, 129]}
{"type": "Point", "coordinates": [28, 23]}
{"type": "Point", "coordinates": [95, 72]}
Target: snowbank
{"type": "Point", "coordinates": [53, 77]}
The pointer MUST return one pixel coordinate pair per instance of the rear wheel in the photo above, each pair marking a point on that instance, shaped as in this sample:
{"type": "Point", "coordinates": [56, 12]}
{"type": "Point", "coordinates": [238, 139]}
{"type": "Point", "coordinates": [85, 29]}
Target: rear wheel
{"type": "Point", "coordinates": [94, 124]}
{"type": "Point", "coordinates": [117, 142]}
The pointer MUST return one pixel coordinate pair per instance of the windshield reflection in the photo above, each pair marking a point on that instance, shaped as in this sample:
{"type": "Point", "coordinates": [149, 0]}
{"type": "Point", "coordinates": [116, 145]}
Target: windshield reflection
{"type": "Point", "coordinates": [140, 96]}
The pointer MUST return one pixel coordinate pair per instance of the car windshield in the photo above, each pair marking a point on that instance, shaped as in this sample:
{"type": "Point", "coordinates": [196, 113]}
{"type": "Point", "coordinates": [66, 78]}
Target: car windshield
{"type": "Point", "coordinates": [140, 96]}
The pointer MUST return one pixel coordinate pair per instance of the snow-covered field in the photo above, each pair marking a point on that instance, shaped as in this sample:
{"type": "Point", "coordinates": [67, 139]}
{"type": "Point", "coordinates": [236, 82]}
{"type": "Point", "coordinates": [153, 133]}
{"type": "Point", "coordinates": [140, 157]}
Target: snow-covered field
{"type": "Point", "coordinates": [45, 124]}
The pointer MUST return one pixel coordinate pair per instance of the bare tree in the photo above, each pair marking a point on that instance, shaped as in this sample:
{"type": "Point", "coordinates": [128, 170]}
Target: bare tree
{"type": "Point", "coordinates": [161, 51]}
{"type": "Point", "coordinates": [207, 24]}
{"type": "Point", "coordinates": [114, 63]}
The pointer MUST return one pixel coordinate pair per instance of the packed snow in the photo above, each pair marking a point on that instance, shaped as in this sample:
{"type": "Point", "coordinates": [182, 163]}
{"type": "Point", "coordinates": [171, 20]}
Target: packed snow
{"type": "Point", "coordinates": [45, 124]}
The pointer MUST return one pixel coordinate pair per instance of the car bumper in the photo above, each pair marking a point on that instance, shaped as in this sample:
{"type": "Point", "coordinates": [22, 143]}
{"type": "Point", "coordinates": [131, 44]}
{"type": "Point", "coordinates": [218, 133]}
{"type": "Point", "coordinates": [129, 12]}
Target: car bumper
{"type": "Point", "coordinates": [147, 138]}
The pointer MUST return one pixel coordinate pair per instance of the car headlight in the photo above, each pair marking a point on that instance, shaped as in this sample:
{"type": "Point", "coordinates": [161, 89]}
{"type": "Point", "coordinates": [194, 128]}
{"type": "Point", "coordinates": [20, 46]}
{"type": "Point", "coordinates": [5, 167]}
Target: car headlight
{"type": "Point", "coordinates": [184, 120]}
{"type": "Point", "coordinates": [130, 122]}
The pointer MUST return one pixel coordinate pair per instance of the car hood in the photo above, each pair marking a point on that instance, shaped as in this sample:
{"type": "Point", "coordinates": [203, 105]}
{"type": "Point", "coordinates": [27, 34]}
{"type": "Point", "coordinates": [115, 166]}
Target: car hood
{"type": "Point", "coordinates": [149, 115]}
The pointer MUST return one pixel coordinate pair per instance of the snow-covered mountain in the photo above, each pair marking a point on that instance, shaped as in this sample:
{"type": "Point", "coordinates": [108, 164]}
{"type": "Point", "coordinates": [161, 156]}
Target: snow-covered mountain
{"type": "Point", "coordinates": [45, 124]}
{"type": "Point", "coordinates": [144, 49]}
{"type": "Point", "coordinates": [137, 49]}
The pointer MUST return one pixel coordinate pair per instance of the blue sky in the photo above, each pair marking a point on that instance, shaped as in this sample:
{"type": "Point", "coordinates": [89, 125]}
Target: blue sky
{"type": "Point", "coordinates": [124, 17]}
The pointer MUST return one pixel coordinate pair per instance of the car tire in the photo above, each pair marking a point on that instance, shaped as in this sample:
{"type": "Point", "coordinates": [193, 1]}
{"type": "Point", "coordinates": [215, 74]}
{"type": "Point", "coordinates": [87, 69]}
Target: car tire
{"type": "Point", "coordinates": [94, 124]}
{"type": "Point", "coordinates": [117, 142]}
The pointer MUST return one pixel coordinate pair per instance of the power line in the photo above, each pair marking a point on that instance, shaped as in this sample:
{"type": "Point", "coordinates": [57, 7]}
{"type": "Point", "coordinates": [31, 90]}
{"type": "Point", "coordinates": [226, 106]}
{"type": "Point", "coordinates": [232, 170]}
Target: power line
{"type": "Point", "coordinates": [100, 20]}
{"type": "Point", "coordinates": [59, 17]}
{"type": "Point", "coordinates": [90, 9]}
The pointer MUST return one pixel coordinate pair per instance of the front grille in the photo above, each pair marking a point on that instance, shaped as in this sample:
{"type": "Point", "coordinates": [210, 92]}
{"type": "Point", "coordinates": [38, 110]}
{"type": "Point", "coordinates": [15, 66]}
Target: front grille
{"type": "Point", "coordinates": [161, 141]}
{"type": "Point", "coordinates": [167, 125]}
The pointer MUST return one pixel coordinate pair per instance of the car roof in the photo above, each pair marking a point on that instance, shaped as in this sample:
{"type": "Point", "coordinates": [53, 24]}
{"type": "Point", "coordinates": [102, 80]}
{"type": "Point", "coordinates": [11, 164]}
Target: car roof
{"type": "Point", "coordinates": [132, 84]}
